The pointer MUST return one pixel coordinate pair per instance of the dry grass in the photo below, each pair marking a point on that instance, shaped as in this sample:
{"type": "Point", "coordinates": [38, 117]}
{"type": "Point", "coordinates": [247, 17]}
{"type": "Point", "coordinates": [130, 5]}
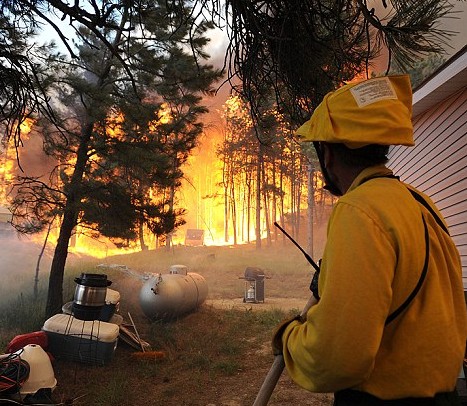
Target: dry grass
{"type": "Point", "coordinates": [285, 267]}
{"type": "Point", "coordinates": [212, 356]}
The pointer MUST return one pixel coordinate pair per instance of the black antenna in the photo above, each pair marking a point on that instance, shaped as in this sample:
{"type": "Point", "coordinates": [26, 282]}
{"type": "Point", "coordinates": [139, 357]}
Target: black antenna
{"type": "Point", "coordinates": [309, 259]}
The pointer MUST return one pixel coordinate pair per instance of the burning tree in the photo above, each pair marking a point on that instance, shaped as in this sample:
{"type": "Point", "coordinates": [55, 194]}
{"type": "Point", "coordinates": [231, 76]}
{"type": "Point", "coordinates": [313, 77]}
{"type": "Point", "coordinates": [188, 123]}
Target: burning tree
{"type": "Point", "coordinates": [303, 49]}
{"type": "Point", "coordinates": [299, 48]}
{"type": "Point", "coordinates": [264, 172]}
{"type": "Point", "coordinates": [116, 154]}
{"type": "Point", "coordinates": [237, 161]}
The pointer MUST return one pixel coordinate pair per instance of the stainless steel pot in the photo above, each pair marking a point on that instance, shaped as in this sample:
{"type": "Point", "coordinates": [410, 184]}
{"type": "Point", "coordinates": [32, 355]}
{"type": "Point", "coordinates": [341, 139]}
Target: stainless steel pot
{"type": "Point", "coordinates": [90, 293]}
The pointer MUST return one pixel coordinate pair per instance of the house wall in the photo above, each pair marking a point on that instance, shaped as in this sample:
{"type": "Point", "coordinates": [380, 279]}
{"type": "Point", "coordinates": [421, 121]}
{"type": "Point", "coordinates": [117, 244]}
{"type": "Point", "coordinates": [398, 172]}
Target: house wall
{"type": "Point", "coordinates": [437, 165]}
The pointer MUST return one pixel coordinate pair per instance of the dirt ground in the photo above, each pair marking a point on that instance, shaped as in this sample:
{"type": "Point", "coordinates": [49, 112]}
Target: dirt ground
{"type": "Point", "coordinates": [269, 304]}
{"type": "Point", "coordinates": [196, 370]}
{"type": "Point", "coordinates": [190, 386]}
{"type": "Point", "coordinates": [188, 374]}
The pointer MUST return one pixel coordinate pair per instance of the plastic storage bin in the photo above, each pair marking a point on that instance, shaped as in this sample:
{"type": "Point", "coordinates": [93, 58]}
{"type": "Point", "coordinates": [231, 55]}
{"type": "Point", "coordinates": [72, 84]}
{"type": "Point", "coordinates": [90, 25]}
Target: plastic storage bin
{"type": "Point", "coordinates": [91, 342]}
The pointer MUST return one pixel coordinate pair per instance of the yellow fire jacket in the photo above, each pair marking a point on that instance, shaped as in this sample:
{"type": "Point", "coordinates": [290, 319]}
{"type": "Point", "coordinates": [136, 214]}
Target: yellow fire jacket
{"type": "Point", "coordinates": [372, 261]}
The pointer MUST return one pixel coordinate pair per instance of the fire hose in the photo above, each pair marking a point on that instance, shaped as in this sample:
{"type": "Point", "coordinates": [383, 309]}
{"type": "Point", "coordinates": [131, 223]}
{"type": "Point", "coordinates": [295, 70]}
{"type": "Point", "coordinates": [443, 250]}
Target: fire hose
{"type": "Point", "coordinates": [278, 365]}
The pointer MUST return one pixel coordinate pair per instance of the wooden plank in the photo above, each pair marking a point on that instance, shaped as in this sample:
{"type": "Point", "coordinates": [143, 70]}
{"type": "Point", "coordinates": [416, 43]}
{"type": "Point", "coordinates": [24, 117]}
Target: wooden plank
{"type": "Point", "coordinates": [431, 126]}
{"type": "Point", "coordinates": [453, 177]}
{"type": "Point", "coordinates": [450, 151]}
{"type": "Point", "coordinates": [437, 165]}
{"type": "Point", "coordinates": [450, 197]}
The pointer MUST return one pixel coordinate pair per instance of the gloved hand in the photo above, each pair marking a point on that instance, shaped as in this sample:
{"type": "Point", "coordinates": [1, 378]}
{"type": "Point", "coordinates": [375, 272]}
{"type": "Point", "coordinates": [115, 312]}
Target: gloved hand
{"type": "Point", "coordinates": [277, 337]}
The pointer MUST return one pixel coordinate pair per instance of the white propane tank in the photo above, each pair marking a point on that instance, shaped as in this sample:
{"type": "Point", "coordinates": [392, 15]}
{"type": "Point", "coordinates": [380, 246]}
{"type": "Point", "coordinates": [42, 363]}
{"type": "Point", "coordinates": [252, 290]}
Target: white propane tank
{"type": "Point", "coordinates": [250, 293]}
{"type": "Point", "coordinates": [167, 296]}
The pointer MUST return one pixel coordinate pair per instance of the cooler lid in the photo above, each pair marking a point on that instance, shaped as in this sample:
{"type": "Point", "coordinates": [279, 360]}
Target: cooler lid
{"type": "Point", "coordinates": [66, 324]}
{"type": "Point", "coordinates": [112, 296]}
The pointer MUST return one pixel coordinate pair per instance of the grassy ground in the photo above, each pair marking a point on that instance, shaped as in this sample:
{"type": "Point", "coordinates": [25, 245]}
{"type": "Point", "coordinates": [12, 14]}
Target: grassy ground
{"type": "Point", "coordinates": [211, 356]}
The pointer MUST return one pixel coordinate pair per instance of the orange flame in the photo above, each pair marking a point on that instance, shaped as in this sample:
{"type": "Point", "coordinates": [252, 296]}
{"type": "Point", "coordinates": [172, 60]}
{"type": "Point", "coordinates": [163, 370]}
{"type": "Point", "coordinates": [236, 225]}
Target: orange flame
{"type": "Point", "coordinates": [8, 162]}
{"type": "Point", "coordinates": [201, 193]}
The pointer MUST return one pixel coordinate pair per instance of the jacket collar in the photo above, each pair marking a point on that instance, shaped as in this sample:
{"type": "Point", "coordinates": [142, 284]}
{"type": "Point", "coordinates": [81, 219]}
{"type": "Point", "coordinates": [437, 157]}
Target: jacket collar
{"type": "Point", "coordinates": [369, 173]}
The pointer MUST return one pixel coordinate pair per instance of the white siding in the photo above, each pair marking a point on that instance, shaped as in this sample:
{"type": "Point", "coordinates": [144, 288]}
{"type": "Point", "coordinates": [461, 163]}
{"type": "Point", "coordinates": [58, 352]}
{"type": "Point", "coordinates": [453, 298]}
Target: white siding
{"type": "Point", "coordinates": [437, 165]}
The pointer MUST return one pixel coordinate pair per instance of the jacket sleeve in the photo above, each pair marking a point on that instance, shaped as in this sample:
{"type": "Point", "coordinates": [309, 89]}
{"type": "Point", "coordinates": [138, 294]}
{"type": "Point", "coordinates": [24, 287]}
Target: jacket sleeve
{"type": "Point", "coordinates": [336, 347]}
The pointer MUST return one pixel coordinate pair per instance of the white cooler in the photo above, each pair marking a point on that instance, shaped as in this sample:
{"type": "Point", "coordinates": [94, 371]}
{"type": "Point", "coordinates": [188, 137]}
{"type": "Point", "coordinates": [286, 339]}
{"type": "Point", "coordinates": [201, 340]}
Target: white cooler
{"type": "Point", "coordinates": [91, 342]}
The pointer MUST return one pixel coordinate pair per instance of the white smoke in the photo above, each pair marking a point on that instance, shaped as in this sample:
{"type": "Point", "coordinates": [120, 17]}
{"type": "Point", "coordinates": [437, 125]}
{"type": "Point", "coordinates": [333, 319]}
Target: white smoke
{"type": "Point", "coordinates": [19, 262]}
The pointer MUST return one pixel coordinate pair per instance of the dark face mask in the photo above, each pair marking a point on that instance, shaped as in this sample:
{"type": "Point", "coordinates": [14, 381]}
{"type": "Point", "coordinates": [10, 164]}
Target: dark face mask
{"type": "Point", "coordinates": [328, 183]}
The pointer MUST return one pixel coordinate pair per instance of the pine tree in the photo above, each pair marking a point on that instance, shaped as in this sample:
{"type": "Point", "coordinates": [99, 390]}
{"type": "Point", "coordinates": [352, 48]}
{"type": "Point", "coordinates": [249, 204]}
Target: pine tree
{"type": "Point", "coordinates": [110, 140]}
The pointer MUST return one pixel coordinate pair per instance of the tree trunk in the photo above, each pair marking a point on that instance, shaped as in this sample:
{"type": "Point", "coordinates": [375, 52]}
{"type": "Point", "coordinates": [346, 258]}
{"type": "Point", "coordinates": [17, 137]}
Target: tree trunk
{"type": "Point", "coordinates": [282, 203]}
{"type": "Point", "coordinates": [298, 199]}
{"type": "Point", "coordinates": [266, 206]}
{"type": "Point", "coordinates": [243, 206]}
{"type": "Point", "coordinates": [73, 198]}
{"type": "Point", "coordinates": [292, 197]}
{"type": "Point", "coordinates": [233, 207]}
{"type": "Point", "coordinates": [274, 198]}
{"type": "Point", "coordinates": [258, 196]}
{"type": "Point", "coordinates": [226, 200]}
{"type": "Point", "coordinates": [143, 245]}
{"type": "Point", "coordinates": [168, 238]}
{"type": "Point", "coordinates": [38, 264]}
{"type": "Point", "coordinates": [57, 270]}
{"type": "Point", "coordinates": [70, 218]}
{"type": "Point", "coordinates": [248, 208]}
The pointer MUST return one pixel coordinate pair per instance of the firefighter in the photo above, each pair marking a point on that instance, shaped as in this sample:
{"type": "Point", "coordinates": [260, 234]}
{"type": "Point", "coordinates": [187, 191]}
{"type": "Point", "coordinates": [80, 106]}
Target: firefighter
{"type": "Point", "coordinates": [390, 325]}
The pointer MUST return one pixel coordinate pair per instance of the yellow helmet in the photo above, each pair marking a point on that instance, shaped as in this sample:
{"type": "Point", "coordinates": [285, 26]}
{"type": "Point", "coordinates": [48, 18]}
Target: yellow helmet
{"type": "Point", "coordinates": [373, 111]}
